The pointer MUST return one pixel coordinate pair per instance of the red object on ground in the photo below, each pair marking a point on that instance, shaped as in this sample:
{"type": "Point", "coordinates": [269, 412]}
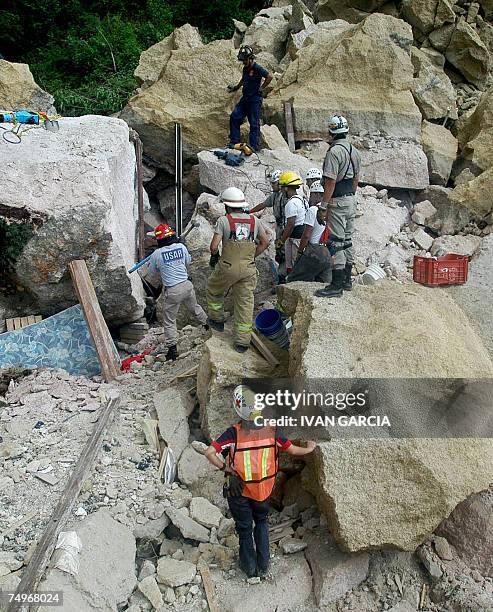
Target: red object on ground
{"type": "Point", "coordinates": [447, 270]}
{"type": "Point", "coordinates": [138, 358]}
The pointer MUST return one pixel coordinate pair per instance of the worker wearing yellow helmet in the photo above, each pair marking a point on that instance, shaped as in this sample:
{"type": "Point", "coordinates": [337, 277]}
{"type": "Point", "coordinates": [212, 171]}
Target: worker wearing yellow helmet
{"type": "Point", "coordinates": [294, 217]}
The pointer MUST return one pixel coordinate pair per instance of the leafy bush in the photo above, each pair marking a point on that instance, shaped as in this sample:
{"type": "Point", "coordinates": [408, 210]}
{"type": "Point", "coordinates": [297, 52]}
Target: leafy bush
{"type": "Point", "coordinates": [85, 52]}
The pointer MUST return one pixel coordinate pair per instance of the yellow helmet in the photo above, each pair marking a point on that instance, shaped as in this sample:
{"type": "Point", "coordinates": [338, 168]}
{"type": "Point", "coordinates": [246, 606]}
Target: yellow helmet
{"type": "Point", "coordinates": [290, 179]}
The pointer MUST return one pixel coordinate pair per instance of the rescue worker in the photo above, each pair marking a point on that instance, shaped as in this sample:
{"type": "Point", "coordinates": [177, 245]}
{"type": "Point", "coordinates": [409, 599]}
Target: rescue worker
{"type": "Point", "coordinates": [314, 262]}
{"type": "Point", "coordinates": [251, 467]}
{"type": "Point", "coordinates": [316, 193]}
{"type": "Point", "coordinates": [312, 175]}
{"type": "Point", "coordinates": [277, 200]}
{"type": "Point", "coordinates": [250, 104]}
{"type": "Point", "coordinates": [294, 218]}
{"type": "Point", "coordinates": [243, 238]}
{"type": "Point", "coordinates": [170, 260]}
{"type": "Point", "coordinates": [341, 174]}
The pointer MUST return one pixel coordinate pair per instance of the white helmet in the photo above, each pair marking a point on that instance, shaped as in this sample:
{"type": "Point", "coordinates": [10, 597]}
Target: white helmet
{"type": "Point", "coordinates": [244, 403]}
{"type": "Point", "coordinates": [338, 125]}
{"type": "Point", "coordinates": [274, 177]}
{"type": "Point", "coordinates": [314, 173]}
{"type": "Point", "coordinates": [233, 197]}
{"type": "Point", "coordinates": [316, 187]}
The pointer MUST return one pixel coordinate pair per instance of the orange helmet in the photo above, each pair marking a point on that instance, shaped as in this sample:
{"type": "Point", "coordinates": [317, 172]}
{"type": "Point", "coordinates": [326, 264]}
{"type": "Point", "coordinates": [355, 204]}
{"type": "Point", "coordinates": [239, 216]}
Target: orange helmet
{"type": "Point", "coordinates": [163, 230]}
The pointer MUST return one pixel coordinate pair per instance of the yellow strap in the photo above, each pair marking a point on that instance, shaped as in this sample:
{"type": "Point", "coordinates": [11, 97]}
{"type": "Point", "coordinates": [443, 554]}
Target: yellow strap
{"type": "Point", "coordinates": [247, 465]}
{"type": "Point", "coordinates": [265, 457]}
{"type": "Point", "coordinates": [215, 305]}
{"type": "Point", "coordinates": [244, 327]}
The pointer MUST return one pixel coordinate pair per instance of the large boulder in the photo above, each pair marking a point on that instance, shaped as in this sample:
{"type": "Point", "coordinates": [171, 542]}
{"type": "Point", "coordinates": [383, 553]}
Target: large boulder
{"type": "Point", "coordinates": [268, 33]}
{"type": "Point", "coordinates": [153, 60]}
{"type": "Point", "coordinates": [432, 89]}
{"type": "Point", "coordinates": [440, 146]}
{"type": "Point", "coordinates": [427, 15]}
{"type": "Point", "coordinates": [399, 489]}
{"type": "Point", "coordinates": [367, 70]}
{"type": "Point", "coordinates": [221, 369]}
{"type": "Point", "coordinates": [475, 136]}
{"type": "Point", "coordinates": [468, 53]}
{"type": "Point", "coordinates": [350, 10]}
{"type": "Point", "coordinates": [450, 217]}
{"type": "Point", "coordinates": [76, 188]}
{"type": "Point", "coordinates": [191, 90]}
{"type": "Point", "coordinates": [476, 295]}
{"type": "Point", "coordinates": [18, 90]}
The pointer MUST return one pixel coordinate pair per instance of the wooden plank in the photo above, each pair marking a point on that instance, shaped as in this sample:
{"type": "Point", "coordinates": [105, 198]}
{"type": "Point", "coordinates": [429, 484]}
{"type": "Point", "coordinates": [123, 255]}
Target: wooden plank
{"type": "Point", "coordinates": [140, 198]}
{"type": "Point", "coordinates": [110, 364]}
{"type": "Point", "coordinates": [210, 592]}
{"type": "Point", "coordinates": [24, 321]}
{"type": "Point", "coordinates": [263, 350]}
{"type": "Point", "coordinates": [10, 324]}
{"type": "Point", "coordinates": [17, 323]}
{"type": "Point", "coordinates": [288, 120]}
{"type": "Point", "coordinates": [36, 567]}
{"type": "Point", "coordinates": [38, 318]}
{"type": "Point", "coordinates": [31, 320]}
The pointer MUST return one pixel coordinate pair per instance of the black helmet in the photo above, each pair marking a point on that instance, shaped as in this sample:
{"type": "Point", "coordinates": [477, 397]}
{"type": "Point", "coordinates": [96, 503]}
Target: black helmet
{"type": "Point", "coordinates": [245, 52]}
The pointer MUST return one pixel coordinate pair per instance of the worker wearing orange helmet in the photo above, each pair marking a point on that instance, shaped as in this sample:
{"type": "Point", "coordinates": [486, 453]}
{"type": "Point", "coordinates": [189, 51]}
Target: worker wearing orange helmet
{"type": "Point", "coordinates": [171, 259]}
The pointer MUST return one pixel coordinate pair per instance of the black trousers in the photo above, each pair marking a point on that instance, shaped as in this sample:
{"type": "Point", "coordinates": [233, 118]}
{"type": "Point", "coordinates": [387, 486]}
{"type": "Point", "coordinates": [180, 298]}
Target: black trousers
{"type": "Point", "coordinates": [251, 520]}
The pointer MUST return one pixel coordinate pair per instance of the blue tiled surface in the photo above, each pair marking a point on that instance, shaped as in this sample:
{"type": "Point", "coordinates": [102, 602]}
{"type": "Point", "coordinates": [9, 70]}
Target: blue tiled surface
{"type": "Point", "coordinates": [61, 341]}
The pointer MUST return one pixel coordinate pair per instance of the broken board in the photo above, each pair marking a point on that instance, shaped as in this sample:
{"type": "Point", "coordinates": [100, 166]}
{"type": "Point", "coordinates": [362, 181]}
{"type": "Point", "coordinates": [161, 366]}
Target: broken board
{"type": "Point", "coordinates": [288, 120]}
{"type": "Point", "coordinates": [100, 334]}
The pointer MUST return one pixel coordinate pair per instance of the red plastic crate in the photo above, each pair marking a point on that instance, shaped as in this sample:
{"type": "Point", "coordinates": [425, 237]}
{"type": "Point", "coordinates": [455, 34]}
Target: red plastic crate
{"type": "Point", "coordinates": [447, 270]}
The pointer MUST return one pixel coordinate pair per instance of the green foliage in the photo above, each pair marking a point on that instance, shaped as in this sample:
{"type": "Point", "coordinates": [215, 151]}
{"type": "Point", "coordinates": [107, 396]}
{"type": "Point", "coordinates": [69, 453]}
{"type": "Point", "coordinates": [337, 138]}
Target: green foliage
{"type": "Point", "coordinates": [13, 239]}
{"type": "Point", "coordinates": [85, 52]}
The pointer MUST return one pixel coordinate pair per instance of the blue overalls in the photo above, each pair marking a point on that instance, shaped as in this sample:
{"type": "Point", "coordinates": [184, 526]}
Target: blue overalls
{"type": "Point", "coordinates": [250, 106]}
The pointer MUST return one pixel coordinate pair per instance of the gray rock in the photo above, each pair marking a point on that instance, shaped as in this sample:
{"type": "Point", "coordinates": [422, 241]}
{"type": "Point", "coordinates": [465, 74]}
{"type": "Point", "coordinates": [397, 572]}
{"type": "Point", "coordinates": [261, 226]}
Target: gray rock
{"type": "Point", "coordinates": [460, 245]}
{"type": "Point", "coordinates": [431, 564]}
{"type": "Point", "coordinates": [205, 513]}
{"type": "Point", "coordinates": [450, 218]}
{"type": "Point", "coordinates": [91, 157]}
{"type": "Point", "coordinates": [173, 573]}
{"type": "Point", "coordinates": [179, 497]}
{"type": "Point", "coordinates": [440, 147]}
{"type": "Point", "coordinates": [173, 411]}
{"type": "Point", "coordinates": [423, 211]}
{"type": "Point", "coordinates": [106, 575]}
{"type": "Point", "coordinates": [148, 569]}
{"type": "Point", "coordinates": [292, 545]}
{"type": "Point", "coordinates": [422, 239]}
{"type": "Point", "coordinates": [151, 529]}
{"type": "Point", "coordinates": [19, 90]}
{"type": "Point", "coordinates": [188, 527]}
{"type": "Point", "coordinates": [443, 549]}
{"type": "Point", "coordinates": [149, 588]}
{"type": "Point", "coordinates": [334, 572]}
{"type": "Point", "coordinates": [226, 527]}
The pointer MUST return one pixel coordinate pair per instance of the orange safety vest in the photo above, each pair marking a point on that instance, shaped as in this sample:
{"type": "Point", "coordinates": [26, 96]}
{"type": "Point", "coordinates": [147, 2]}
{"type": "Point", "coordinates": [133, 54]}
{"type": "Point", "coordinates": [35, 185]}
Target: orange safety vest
{"type": "Point", "coordinates": [254, 456]}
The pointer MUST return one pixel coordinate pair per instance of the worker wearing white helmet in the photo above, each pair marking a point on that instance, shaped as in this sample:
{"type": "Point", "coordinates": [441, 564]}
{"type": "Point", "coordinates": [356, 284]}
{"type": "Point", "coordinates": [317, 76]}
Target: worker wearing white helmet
{"type": "Point", "coordinates": [340, 180]}
{"type": "Point", "coordinates": [316, 193]}
{"type": "Point", "coordinates": [312, 175]}
{"type": "Point", "coordinates": [251, 467]}
{"type": "Point", "coordinates": [243, 238]}
{"type": "Point", "coordinates": [277, 201]}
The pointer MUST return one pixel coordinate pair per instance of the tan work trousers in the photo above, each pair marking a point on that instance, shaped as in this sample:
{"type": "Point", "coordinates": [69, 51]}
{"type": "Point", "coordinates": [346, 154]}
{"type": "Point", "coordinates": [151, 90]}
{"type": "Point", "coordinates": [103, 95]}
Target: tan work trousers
{"type": "Point", "coordinates": [291, 250]}
{"type": "Point", "coordinates": [236, 271]}
{"type": "Point", "coordinates": [341, 214]}
{"type": "Point", "coordinates": [174, 297]}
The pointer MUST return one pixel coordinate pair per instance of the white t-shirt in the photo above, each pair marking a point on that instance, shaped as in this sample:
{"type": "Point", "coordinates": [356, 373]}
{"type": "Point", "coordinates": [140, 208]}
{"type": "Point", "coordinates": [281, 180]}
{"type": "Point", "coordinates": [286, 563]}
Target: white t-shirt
{"type": "Point", "coordinates": [311, 220]}
{"type": "Point", "coordinates": [295, 208]}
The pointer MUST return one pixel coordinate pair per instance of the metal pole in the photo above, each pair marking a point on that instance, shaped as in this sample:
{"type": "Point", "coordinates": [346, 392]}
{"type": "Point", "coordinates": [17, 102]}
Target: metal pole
{"type": "Point", "coordinates": [178, 179]}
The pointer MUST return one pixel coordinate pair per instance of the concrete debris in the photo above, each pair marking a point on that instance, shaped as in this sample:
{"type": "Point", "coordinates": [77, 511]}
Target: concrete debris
{"type": "Point", "coordinates": [174, 573]}
{"type": "Point", "coordinates": [430, 561]}
{"type": "Point", "coordinates": [460, 245]}
{"type": "Point", "coordinates": [334, 572]}
{"type": "Point", "coordinates": [201, 477]}
{"type": "Point", "coordinates": [173, 412]}
{"type": "Point", "coordinates": [292, 545]}
{"type": "Point", "coordinates": [272, 138]}
{"type": "Point", "coordinates": [149, 588]}
{"type": "Point", "coordinates": [443, 548]}
{"type": "Point", "coordinates": [205, 513]}
{"type": "Point", "coordinates": [152, 529]}
{"type": "Point", "coordinates": [188, 527]}
{"type": "Point", "coordinates": [423, 211]}
{"type": "Point", "coordinates": [422, 239]}
{"type": "Point", "coordinates": [440, 147]}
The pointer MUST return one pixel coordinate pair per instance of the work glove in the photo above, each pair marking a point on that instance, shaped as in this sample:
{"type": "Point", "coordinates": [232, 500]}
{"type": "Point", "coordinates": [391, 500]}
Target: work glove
{"type": "Point", "coordinates": [279, 244]}
{"type": "Point", "coordinates": [214, 259]}
{"type": "Point", "coordinates": [232, 88]}
{"type": "Point", "coordinates": [236, 486]}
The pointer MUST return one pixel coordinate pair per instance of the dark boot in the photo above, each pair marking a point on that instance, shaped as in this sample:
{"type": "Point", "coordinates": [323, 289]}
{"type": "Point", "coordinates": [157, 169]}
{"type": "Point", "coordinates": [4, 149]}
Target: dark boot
{"type": "Point", "coordinates": [217, 325]}
{"type": "Point", "coordinates": [335, 287]}
{"type": "Point", "coordinates": [172, 353]}
{"type": "Point", "coordinates": [240, 348]}
{"type": "Point", "coordinates": [347, 284]}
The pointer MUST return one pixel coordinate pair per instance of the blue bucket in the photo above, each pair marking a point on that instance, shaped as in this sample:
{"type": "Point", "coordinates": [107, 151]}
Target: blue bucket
{"type": "Point", "coordinates": [270, 324]}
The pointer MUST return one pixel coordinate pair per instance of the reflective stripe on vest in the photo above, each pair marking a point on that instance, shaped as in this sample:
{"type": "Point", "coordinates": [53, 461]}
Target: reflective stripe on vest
{"type": "Point", "coordinates": [254, 457]}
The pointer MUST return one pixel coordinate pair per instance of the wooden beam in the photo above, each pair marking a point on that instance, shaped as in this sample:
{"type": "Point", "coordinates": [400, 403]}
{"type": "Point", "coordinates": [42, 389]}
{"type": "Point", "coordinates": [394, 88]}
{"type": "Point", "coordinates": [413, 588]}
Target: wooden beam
{"type": "Point", "coordinates": [210, 592]}
{"type": "Point", "coordinates": [36, 567]}
{"type": "Point", "coordinates": [10, 324]}
{"type": "Point", "coordinates": [110, 364]}
{"type": "Point", "coordinates": [288, 119]}
{"type": "Point", "coordinates": [263, 350]}
{"type": "Point", "coordinates": [31, 320]}
{"type": "Point", "coordinates": [17, 323]}
{"type": "Point", "coordinates": [24, 321]}
{"type": "Point", "coordinates": [140, 198]}
{"type": "Point", "coordinates": [38, 318]}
